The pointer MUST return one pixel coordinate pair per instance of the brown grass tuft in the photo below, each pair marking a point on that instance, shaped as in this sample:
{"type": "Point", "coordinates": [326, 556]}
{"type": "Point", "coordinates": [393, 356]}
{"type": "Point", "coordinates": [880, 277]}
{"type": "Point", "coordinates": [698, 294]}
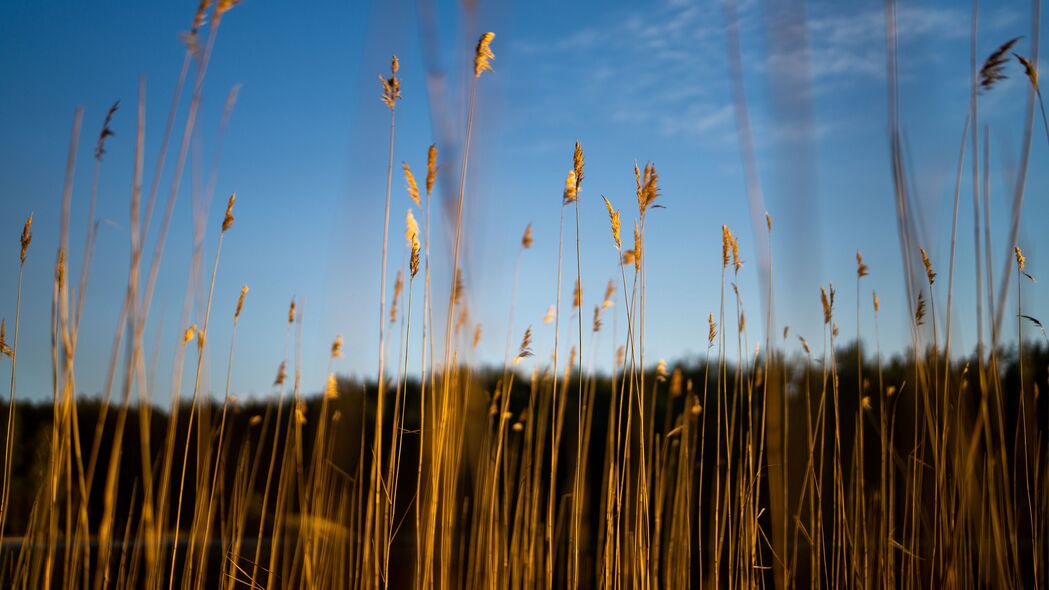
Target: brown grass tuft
{"type": "Point", "coordinates": [484, 54]}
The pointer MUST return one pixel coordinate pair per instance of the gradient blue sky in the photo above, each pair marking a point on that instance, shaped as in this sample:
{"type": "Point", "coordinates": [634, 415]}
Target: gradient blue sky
{"type": "Point", "coordinates": [306, 153]}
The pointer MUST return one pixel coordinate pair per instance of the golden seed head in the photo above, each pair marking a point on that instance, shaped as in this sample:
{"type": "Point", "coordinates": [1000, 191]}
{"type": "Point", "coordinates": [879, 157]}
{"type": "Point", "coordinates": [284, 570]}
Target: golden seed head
{"type": "Point", "coordinates": [865, 402]}
{"type": "Point", "coordinates": [477, 335]}
{"type": "Point", "coordinates": [201, 16]}
{"type": "Point", "coordinates": [742, 321]}
{"type": "Point", "coordinates": [484, 54]}
{"type": "Point", "coordinates": [331, 388]}
{"type": "Point", "coordinates": [411, 227]}
{"type": "Point", "coordinates": [712, 329]}
{"type": "Point", "coordinates": [1020, 259]}
{"type": "Point", "coordinates": [834, 329]}
{"type": "Point", "coordinates": [391, 87]}
{"type": "Point", "coordinates": [240, 301]}
{"type": "Point", "coordinates": [890, 391]}
{"type": "Point", "coordinates": [336, 347]}
{"type": "Point", "coordinates": [431, 168]}
{"type": "Point", "coordinates": [550, 312]}
{"type": "Point", "coordinates": [1029, 69]}
{"type": "Point", "coordinates": [805, 345]}
{"type": "Point", "coordinates": [60, 269]}
{"type": "Point", "coordinates": [928, 266]}
{"type": "Point", "coordinates": [227, 221]}
{"type": "Point", "coordinates": [597, 318]}
{"type": "Point", "coordinates": [577, 295]}
{"type": "Point", "coordinates": [628, 257]}
{"type": "Point", "coordinates": [696, 409]}
{"type": "Point", "coordinates": [27, 237]}
{"type": "Point", "coordinates": [571, 188]}
{"type": "Point", "coordinates": [768, 221]}
{"type": "Point", "coordinates": [661, 370]}
{"type": "Point", "coordinates": [737, 262]}
{"type": "Point", "coordinates": [577, 164]}
{"type": "Point", "coordinates": [610, 291]}
{"type": "Point", "coordinates": [526, 239]}
{"type": "Point", "coordinates": [413, 261]}
{"type": "Point", "coordinates": [189, 334]}
{"type": "Point", "coordinates": [398, 286]}
{"type": "Point", "coordinates": [4, 348]}
{"type": "Point", "coordinates": [726, 245]}
{"type": "Point", "coordinates": [281, 375]}
{"type": "Point", "coordinates": [861, 268]}
{"type": "Point", "coordinates": [223, 7]}
{"type": "Point", "coordinates": [291, 311]}
{"type": "Point", "coordinates": [828, 304]}
{"type": "Point", "coordinates": [648, 187]}
{"type": "Point", "coordinates": [255, 420]}
{"type": "Point", "coordinates": [877, 302]}
{"type": "Point", "coordinates": [613, 218]}
{"type": "Point", "coordinates": [413, 188]}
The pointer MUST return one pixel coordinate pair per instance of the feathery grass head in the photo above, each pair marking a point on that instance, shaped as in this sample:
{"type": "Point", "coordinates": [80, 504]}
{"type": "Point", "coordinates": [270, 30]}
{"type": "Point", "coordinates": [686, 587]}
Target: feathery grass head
{"type": "Point", "coordinates": [712, 329]}
{"type": "Point", "coordinates": [526, 239]}
{"type": "Point", "coordinates": [571, 188]}
{"type": "Point", "coordinates": [648, 187]}
{"type": "Point", "coordinates": [637, 247]}
{"type": "Point", "coordinates": [291, 311]}
{"type": "Point", "coordinates": [613, 218]}
{"type": "Point", "coordinates": [577, 295]}
{"type": "Point", "coordinates": [223, 7]}
{"type": "Point", "coordinates": [877, 302]}
{"type": "Point", "coordinates": [4, 348]}
{"type": "Point", "coordinates": [550, 313]}
{"type": "Point", "coordinates": [610, 291]}
{"type": "Point", "coordinates": [431, 168]}
{"type": "Point", "coordinates": [27, 237]}
{"type": "Point", "coordinates": [331, 388]}
{"type": "Point", "coordinates": [457, 287]}
{"type": "Point", "coordinates": [189, 334]}
{"type": "Point", "coordinates": [413, 188]}
{"type": "Point", "coordinates": [391, 87]}
{"type": "Point", "coordinates": [484, 54]}
{"type": "Point", "coordinates": [737, 262]}
{"type": "Point", "coordinates": [477, 335]}
{"type": "Point", "coordinates": [861, 268]}
{"type": "Point", "coordinates": [60, 268]}
{"type": "Point", "coordinates": [993, 69]}
{"type": "Point", "coordinates": [100, 146]}
{"type": "Point", "coordinates": [742, 321]}
{"type": "Point", "coordinates": [398, 286]}
{"type": "Point", "coordinates": [336, 347]}
{"type": "Point", "coordinates": [577, 165]}
{"type": "Point", "coordinates": [240, 302]}
{"type": "Point", "coordinates": [768, 221]}
{"type": "Point", "coordinates": [805, 344]}
{"type": "Point", "coordinates": [726, 245]}
{"type": "Point", "coordinates": [525, 350]}
{"type": "Point", "coordinates": [929, 274]}
{"type": "Point", "coordinates": [281, 374]}
{"type": "Point", "coordinates": [1029, 69]}
{"type": "Point", "coordinates": [227, 221]}
{"type": "Point", "coordinates": [661, 370]}
{"type": "Point", "coordinates": [1021, 261]}
{"type": "Point", "coordinates": [827, 300]}
{"type": "Point", "coordinates": [411, 228]}
{"type": "Point", "coordinates": [919, 311]}
{"type": "Point", "coordinates": [597, 318]}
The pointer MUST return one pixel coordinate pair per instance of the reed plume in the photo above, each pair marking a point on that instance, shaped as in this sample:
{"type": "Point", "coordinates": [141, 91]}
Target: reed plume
{"type": "Point", "coordinates": [413, 188]}
{"type": "Point", "coordinates": [484, 55]}
{"type": "Point", "coordinates": [993, 69]}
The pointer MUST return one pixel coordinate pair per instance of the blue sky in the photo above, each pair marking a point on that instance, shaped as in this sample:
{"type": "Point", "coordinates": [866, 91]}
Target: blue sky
{"type": "Point", "coordinates": [306, 152]}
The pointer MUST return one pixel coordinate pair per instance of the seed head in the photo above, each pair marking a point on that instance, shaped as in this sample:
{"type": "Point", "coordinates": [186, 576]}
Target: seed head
{"type": "Point", "coordinates": [4, 348]}
{"type": "Point", "coordinates": [413, 188]}
{"type": "Point", "coordinates": [398, 286]}
{"type": "Point", "coordinates": [336, 347]}
{"type": "Point", "coordinates": [189, 334]}
{"type": "Point", "coordinates": [1029, 69]}
{"type": "Point", "coordinates": [27, 237]}
{"type": "Point", "coordinates": [483, 55]}
{"type": "Point", "coordinates": [291, 311]}
{"type": "Point", "coordinates": [805, 345]}
{"type": "Point", "coordinates": [828, 305]}
{"type": "Point", "coordinates": [637, 247]}
{"type": "Point", "coordinates": [240, 302]}
{"type": "Point", "coordinates": [877, 302]}
{"type": "Point", "coordinates": [411, 231]}
{"type": "Point", "coordinates": [331, 388]}
{"type": "Point", "coordinates": [993, 69]}
{"type": "Point", "coordinates": [391, 87]}
{"type": "Point", "coordinates": [577, 165]}
{"type": "Point", "coordinates": [861, 268]}
{"type": "Point", "coordinates": [610, 291]}
{"type": "Point", "coordinates": [768, 221]}
{"type": "Point", "coordinates": [281, 375]}
{"type": "Point", "coordinates": [550, 312]}
{"type": "Point", "coordinates": [525, 350]}
{"type": "Point", "coordinates": [928, 266]}
{"type": "Point", "coordinates": [597, 318]}
{"type": "Point", "coordinates": [726, 245]}
{"type": "Point", "coordinates": [919, 312]}
{"type": "Point", "coordinates": [1020, 259]}
{"type": "Point", "coordinates": [431, 168]}
{"type": "Point", "coordinates": [577, 295]}
{"type": "Point", "coordinates": [712, 329]}
{"type": "Point", "coordinates": [100, 146]}
{"type": "Point", "coordinates": [571, 188]}
{"type": "Point", "coordinates": [526, 239]}
{"type": "Point", "coordinates": [227, 221]}
{"type": "Point", "coordinates": [613, 218]}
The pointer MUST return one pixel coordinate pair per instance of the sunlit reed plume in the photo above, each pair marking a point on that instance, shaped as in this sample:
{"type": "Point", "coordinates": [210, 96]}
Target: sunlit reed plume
{"type": "Point", "coordinates": [484, 54]}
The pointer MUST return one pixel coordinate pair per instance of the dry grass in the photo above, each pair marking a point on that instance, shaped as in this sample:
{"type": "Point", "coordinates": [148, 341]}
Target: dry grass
{"type": "Point", "coordinates": [829, 469]}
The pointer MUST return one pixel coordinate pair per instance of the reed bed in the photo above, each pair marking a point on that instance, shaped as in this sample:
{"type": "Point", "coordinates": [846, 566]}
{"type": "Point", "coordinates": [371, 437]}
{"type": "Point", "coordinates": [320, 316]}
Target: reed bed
{"type": "Point", "coordinates": [766, 463]}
